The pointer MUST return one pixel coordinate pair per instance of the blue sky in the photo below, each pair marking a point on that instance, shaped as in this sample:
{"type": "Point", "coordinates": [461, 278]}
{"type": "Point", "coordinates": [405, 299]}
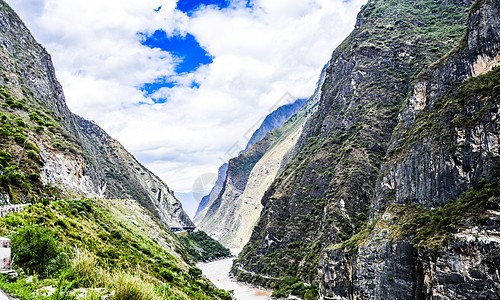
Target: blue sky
{"type": "Point", "coordinates": [180, 83]}
{"type": "Point", "coordinates": [190, 6]}
{"type": "Point", "coordinates": [187, 51]}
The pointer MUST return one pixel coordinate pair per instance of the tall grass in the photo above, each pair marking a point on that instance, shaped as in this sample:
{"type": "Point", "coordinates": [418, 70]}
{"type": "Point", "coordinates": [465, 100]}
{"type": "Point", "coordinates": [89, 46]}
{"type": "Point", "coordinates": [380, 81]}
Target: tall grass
{"type": "Point", "coordinates": [86, 271]}
{"type": "Point", "coordinates": [133, 287]}
{"type": "Point", "coordinates": [128, 285]}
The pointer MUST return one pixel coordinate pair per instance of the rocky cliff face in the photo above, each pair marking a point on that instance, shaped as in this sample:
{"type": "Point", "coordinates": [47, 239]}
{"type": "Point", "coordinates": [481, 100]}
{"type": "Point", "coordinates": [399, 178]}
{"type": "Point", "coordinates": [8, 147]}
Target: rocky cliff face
{"type": "Point", "coordinates": [231, 214]}
{"type": "Point", "coordinates": [445, 143]}
{"type": "Point", "coordinates": [63, 153]}
{"type": "Point", "coordinates": [324, 195]}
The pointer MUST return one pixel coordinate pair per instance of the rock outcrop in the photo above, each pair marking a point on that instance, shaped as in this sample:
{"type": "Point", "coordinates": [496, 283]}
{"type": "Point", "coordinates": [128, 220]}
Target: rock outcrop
{"type": "Point", "coordinates": [64, 151]}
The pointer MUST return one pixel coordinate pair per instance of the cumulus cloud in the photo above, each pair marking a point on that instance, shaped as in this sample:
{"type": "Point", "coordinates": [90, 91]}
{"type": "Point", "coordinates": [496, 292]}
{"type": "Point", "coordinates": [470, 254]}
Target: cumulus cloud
{"type": "Point", "coordinates": [259, 54]}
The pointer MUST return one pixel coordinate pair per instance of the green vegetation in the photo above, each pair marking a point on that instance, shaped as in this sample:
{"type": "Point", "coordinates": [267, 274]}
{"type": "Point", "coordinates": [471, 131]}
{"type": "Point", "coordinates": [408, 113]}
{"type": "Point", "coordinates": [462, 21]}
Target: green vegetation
{"type": "Point", "coordinates": [22, 182]}
{"type": "Point", "coordinates": [433, 228]}
{"type": "Point", "coordinates": [37, 251]}
{"type": "Point", "coordinates": [93, 246]}
{"type": "Point", "coordinates": [294, 286]}
{"type": "Point", "coordinates": [440, 122]}
{"type": "Point", "coordinates": [202, 247]}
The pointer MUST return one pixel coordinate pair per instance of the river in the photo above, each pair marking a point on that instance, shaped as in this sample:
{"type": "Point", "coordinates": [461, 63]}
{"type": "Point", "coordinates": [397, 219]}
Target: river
{"type": "Point", "coordinates": [218, 273]}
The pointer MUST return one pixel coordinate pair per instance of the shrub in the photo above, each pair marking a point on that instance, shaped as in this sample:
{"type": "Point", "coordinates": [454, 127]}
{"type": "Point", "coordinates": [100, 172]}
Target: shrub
{"type": "Point", "coordinates": [116, 234]}
{"type": "Point", "coordinates": [61, 223]}
{"type": "Point", "coordinates": [195, 273]}
{"type": "Point", "coordinates": [167, 275]}
{"type": "Point", "coordinates": [362, 216]}
{"type": "Point", "coordinates": [20, 122]}
{"type": "Point", "coordinates": [36, 249]}
{"type": "Point", "coordinates": [5, 158]}
{"type": "Point", "coordinates": [19, 138]}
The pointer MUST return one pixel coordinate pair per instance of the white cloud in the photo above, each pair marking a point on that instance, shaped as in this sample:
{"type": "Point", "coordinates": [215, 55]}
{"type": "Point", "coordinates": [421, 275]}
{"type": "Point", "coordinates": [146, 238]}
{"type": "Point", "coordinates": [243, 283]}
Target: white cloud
{"type": "Point", "coordinates": [259, 55]}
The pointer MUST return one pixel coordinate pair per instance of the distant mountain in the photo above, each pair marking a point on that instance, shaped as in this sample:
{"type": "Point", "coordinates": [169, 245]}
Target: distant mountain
{"type": "Point", "coordinates": [275, 120]}
{"type": "Point", "coordinates": [231, 210]}
{"type": "Point", "coordinates": [272, 121]}
{"type": "Point", "coordinates": [214, 193]}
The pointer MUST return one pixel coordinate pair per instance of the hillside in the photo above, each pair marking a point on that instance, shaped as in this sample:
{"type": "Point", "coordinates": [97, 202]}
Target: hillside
{"type": "Point", "coordinates": [97, 221]}
{"type": "Point", "coordinates": [390, 131]}
{"type": "Point", "coordinates": [65, 155]}
{"type": "Point", "coordinates": [99, 249]}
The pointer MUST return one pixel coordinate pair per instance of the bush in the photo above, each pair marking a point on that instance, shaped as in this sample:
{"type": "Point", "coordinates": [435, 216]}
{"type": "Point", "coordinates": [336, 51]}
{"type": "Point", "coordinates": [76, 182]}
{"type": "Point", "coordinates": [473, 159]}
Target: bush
{"type": "Point", "coordinates": [19, 138]}
{"type": "Point", "coordinates": [167, 275]}
{"type": "Point", "coordinates": [36, 249]}
{"type": "Point", "coordinates": [5, 158]}
{"type": "Point", "coordinates": [195, 273]}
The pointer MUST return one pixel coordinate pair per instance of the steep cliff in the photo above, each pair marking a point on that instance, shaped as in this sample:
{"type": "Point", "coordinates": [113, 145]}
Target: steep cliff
{"type": "Point", "coordinates": [422, 242]}
{"type": "Point", "coordinates": [233, 213]}
{"type": "Point", "coordinates": [325, 194]}
{"type": "Point", "coordinates": [63, 153]}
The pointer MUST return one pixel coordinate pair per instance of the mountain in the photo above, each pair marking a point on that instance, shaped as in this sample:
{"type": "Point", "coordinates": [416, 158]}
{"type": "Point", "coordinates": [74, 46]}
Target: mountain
{"type": "Point", "coordinates": [97, 224]}
{"type": "Point", "coordinates": [65, 154]}
{"type": "Point", "coordinates": [393, 192]}
{"type": "Point", "coordinates": [275, 120]}
{"type": "Point", "coordinates": [214, 193]}
{"type": "Point", "coordinates": [271, 122]}
{"type": "Point", "coordinates": [234, 206]}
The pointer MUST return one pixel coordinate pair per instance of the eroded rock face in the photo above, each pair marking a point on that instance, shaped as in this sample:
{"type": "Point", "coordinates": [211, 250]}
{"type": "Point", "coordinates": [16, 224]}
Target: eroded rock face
{"type": "Point", "coordinates": [446, 142]}
{"type": "Point", "coordinates": [384, 268]}
{"type": "Point", "coordinates": [66, 171]}
{"type": "Point", "coordinates": [441, 165]}
{"type": "Point", "coordinates": [324, 194]}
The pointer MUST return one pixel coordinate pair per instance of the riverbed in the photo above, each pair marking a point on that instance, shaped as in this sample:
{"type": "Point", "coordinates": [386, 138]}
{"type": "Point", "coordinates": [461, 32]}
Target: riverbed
{"type": "Point", "coordinates": [218, 273]}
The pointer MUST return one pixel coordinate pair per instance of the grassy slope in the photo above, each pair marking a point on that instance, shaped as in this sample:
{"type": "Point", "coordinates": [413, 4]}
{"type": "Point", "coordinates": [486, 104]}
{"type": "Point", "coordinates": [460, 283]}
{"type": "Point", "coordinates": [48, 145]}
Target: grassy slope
{"type": "Point", "coordinates": [18, 120]}
{"type": "Point", "coordinates": [202, 247]}
{"type": "Point", "coordinates": [121, 244]}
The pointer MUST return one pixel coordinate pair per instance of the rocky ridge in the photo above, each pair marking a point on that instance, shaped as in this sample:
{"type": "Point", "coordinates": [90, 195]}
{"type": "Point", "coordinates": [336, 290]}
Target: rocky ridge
{"type": "Point", "coordinates": [457, 98]}
{"type": "Point", "coordinates": [325, 191]}
{"type": "Point", "coordinates": [361, 151]}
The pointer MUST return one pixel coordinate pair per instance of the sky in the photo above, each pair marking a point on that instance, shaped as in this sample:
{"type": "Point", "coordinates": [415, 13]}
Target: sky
{"type": "Point", "coordinates": [183, 84]}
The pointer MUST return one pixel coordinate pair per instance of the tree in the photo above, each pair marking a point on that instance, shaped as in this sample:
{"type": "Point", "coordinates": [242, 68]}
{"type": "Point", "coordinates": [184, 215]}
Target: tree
{"type": "Point", "coordinates": [36, 249]}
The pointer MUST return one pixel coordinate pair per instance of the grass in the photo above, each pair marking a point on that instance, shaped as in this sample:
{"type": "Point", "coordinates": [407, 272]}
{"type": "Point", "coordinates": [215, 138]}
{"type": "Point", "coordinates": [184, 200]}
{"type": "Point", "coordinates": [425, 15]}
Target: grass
{"type": "Point", "coordinates": [110, 247]}
{"type": "Point", "coordinates": [433, 229]}
{"type": "Point", "coordinates": [202, 247]}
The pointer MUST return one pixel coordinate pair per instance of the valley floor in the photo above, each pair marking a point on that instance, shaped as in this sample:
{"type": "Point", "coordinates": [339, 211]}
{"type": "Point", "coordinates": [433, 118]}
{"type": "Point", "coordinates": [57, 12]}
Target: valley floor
{"type": "Point", "coordinates": [218, 273]}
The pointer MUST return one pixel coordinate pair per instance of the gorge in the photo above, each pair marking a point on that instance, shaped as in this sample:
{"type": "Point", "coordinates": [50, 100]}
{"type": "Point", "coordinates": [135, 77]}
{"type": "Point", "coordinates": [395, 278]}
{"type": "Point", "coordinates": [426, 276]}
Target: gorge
{"type": "Point", "coordinates": [384, 184]}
